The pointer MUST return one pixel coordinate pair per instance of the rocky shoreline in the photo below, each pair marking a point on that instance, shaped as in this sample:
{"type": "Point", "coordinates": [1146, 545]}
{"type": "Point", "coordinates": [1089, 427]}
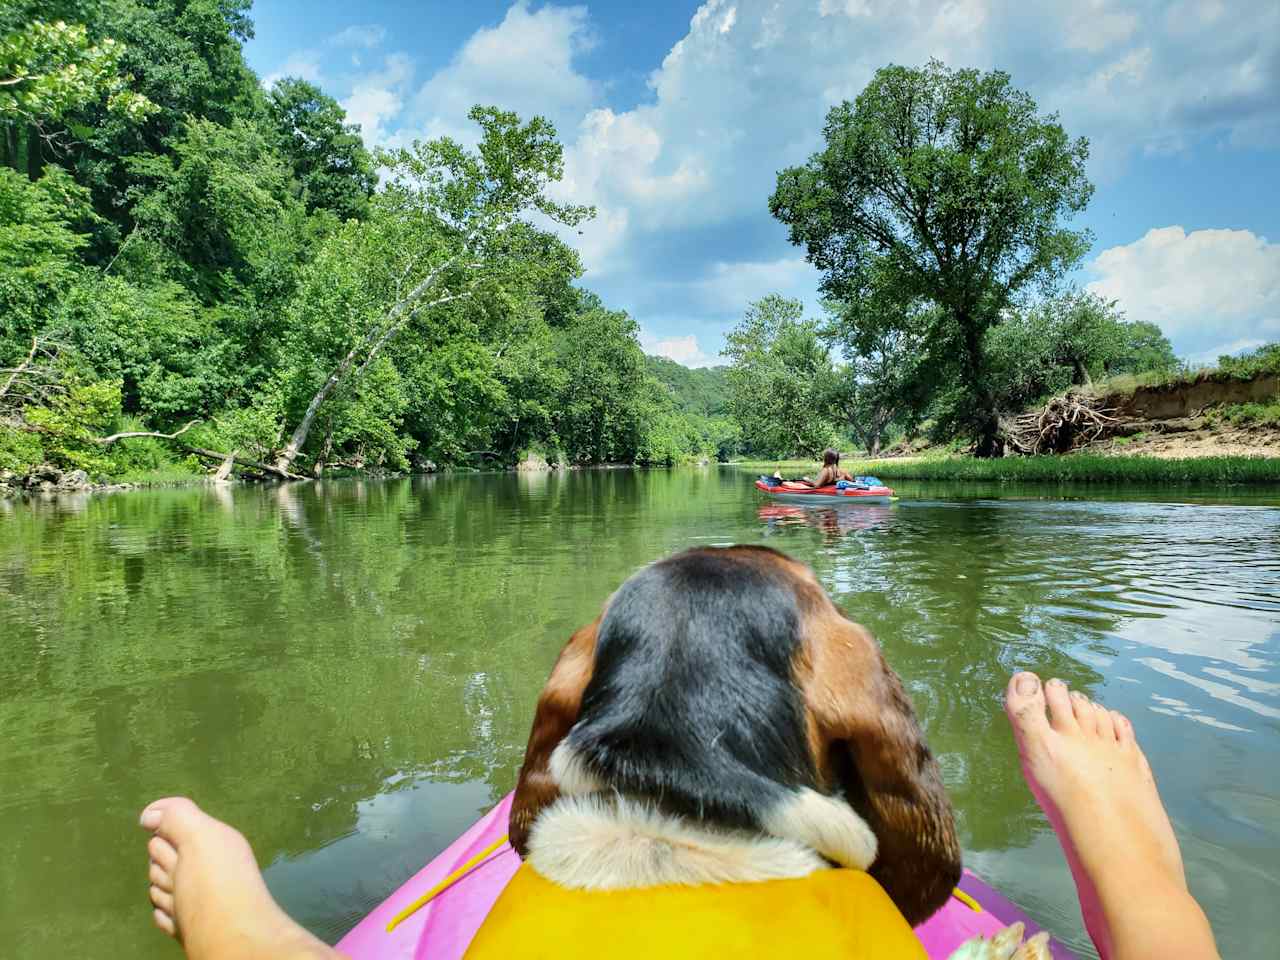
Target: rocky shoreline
{"type": "Point", "coordinates": [48, 480]}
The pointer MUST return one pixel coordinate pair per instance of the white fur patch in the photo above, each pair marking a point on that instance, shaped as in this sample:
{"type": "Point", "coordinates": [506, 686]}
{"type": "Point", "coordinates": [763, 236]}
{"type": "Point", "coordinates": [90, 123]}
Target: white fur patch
{"type": "Point", "coordinates": [825, 824]}
{"type": "Point", "coordinates": [612, 842]}
{"type": "Point", "coordinates": [570, 773]}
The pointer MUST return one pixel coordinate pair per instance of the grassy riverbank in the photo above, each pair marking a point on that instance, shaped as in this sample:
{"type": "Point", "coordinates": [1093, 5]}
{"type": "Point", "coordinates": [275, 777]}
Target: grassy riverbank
{"type": "Point", "coordinates": [1073, 468]}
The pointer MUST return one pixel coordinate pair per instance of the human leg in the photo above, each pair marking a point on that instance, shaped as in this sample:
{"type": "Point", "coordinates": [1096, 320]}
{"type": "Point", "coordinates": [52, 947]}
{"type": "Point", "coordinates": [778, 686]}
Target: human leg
{"type": "Point", "coordinates": [209, 894]}
{"type": "Point", "coordinates": [1086, 770]}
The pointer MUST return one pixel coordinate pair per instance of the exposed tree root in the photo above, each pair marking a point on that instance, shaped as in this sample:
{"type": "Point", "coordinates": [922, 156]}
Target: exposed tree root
{"type": "Point", "coordinates": [1065, 424]}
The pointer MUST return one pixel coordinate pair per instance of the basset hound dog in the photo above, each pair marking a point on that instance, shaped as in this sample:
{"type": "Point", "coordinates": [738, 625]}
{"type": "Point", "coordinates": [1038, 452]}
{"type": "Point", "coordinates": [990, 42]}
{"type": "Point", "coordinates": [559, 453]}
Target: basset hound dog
{"type": "Point", "coordinates": [721, 725]}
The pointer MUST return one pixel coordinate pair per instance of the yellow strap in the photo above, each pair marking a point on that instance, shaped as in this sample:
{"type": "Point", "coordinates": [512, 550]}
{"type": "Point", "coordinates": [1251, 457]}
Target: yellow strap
{"type": "Point", "coordinates": [967, 900]}
{"type": "Point", "coordinates": [444, 885]}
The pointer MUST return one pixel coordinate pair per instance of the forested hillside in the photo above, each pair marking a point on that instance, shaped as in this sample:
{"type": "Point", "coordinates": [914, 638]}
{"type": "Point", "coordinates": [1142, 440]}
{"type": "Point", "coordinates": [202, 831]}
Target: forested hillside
{"type": "Point", "coordinates": [184, 252]}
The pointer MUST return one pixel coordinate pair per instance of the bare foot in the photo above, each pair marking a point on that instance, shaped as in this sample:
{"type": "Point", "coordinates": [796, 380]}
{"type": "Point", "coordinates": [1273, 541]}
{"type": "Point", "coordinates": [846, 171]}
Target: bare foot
{"type": "Point", "coordinates": [1087, 772]}
{"type": "Point", "coordinates": [208, 891]}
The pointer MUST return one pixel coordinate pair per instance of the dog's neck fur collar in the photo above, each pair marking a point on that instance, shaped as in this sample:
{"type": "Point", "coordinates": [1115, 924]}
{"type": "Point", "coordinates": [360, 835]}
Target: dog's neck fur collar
{"type": "Point", "coordinates": [594, 838]}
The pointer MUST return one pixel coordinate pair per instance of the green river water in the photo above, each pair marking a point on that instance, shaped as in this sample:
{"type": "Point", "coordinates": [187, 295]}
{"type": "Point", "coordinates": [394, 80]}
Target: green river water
{"type": "Point", "coordinates": [347, 670]}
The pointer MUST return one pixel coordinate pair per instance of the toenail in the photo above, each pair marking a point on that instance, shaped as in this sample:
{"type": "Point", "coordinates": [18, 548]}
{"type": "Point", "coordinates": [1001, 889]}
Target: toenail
{"type": "Point", "coordinates": [1027, 683]}
{"type": "Point", "coordinates": [1078, 695]}
{"type": "Point", "coordinates": [1055, 682]}
{"type": "Point", "coordinates": [150, 819]}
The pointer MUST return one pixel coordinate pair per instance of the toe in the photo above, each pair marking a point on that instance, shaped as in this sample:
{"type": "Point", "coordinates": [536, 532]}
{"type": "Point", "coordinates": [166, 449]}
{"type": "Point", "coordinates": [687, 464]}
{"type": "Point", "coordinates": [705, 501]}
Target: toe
{"type": "Point", "coordinates": [1106, 723]}
{"type": "Point", "coordinates": [1061, 715]}
{"type": "Point", "coordinates": [1085, 713]}
{"type": "Point", "coordinates": [165, 922]}
{"type": "Point", "coordinates": [162, 899]}
{"type": "Point", "coordinates": [1024, 703]}
{"type": "Point", "coordinates": [160, 877]}
{"type": "Point", "coordinates": [163, 853]}
{"type": "Point", "coordinates": [1124, 729]}
{"type": "Point", "coordinates": [173, 818]}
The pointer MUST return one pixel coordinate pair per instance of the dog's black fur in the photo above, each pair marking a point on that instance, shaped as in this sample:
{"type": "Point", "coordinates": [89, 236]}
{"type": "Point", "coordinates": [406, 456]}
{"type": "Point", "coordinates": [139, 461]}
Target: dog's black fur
{"type": "Point", "coordinates": [693, 702]}
{"type": "Point", "coordinates": [721, 682]}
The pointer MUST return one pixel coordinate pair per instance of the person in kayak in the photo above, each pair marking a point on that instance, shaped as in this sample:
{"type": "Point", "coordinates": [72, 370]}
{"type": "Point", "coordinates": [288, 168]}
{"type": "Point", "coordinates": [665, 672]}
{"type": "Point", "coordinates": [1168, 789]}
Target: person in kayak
{"type": "Point", "coordinates": [830, 471]}
{"type": "Point", "coordinates": [1081, 761]}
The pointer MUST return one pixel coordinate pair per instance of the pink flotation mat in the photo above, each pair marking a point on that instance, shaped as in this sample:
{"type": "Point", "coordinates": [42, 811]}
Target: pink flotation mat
{"type": "Point", "coordinates": [462, 883]}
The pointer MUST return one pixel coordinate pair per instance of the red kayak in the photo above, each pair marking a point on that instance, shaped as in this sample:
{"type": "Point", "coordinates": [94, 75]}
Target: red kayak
{"type": "Point", "coordinates": [796, 491]}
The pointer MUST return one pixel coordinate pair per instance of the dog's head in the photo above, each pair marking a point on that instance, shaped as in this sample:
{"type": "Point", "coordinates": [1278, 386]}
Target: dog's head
{"type": "Point", "coordinates": [724, 685]}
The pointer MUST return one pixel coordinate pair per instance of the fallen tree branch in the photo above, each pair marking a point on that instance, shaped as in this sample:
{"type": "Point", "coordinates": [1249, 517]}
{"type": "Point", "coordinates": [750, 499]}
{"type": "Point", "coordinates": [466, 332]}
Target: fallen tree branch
{"type": "Point", "coordinates": [105, 441]}
{"type": "Point", "coordinates": [14, 373]}
{"type": "Point", "coordinates": [235, 457]}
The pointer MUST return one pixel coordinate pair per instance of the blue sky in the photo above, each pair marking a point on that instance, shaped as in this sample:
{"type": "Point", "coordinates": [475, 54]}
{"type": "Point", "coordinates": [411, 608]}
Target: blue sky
{"type": "Point", "coordinates": [676, 117]}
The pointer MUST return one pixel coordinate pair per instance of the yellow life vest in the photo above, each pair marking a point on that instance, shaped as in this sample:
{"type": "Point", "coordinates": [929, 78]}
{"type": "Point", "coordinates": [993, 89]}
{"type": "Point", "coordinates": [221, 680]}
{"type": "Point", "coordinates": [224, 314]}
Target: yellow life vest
{"type": "Point", "coordinates": [828, 914]}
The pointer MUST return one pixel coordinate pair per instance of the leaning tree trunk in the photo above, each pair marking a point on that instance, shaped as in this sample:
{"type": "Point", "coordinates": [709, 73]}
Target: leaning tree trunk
{"type": "Point", "coordinates": [284, 460]}
{"type": "Point", "coordinates": [400, 314]}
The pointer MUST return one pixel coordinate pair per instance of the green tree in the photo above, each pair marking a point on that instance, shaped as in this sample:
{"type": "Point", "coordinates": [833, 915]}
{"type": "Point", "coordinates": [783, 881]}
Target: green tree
{"type": "Point", "coordinates": [325, 152]}
{"type": "Point", "coordinates": [702, 391]}
{"type": "Point", "coordinates": [185, 57]}
{"type": "Point", "coordinates": [601, 414]}
{"type": "Point", "coordinates": [220, 208]}
{"type": "Point", "coordinates": [1066, 341]}
{"type": "Point", "coordinates": [154, 340]}
{"type": "Point", "coordinates": [892, 369]}
{"type": "Point", "coordinates": [448, 227]}
{"type": "Point", "coordinates": [945, 187]}
{"type": "Point", "coordinates": [46, 71]}
{"type": "Point", "coordinates": [781, 379]}
{"type": "Point", "coordinates": [1083, 332]}
{"type": "Point", "coordinates": [41, 236]}
{"type": "Point", "coordinates": [1145, 349]}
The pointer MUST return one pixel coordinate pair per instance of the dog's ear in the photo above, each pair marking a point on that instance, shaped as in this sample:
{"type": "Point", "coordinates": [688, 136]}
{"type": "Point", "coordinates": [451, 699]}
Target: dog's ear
{"type": "Point", "coordinates": [868, 743]}
{"type": "Point", "coordinates": [557, 712]}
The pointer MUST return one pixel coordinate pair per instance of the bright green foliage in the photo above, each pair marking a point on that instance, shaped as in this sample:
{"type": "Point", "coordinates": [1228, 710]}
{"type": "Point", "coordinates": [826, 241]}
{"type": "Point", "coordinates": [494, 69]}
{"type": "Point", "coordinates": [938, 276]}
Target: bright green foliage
{"type": "Point", "coordinates": [222, 211]}
{"type": "Point", "coordinates": [325, 153]}
{"type": "Point", "coordinates": [945, 188]}
{"type": "Point", "coordinates": [222, 257]}
{"type": "Point", "coordinates": [1080, 331]}
{"type": "Point", "coordinates": [39, 247]}
{"type": "Point", "coordinates": [1079, 468]}
{"type": "Point", "coordinates": [892, 369]}
{"type": "Point", "coordinates": [1264, 360]}
{"type": "Point", "coordinates": [703, 391]}
{"type": "Point", "coordinates": [1146, 349]}
{"type": "Point", "coordinates": [600, 413]}
{"type": "Point", "coordinates": [69, 424]}
{"type": "Point", "coordinates": [781, 380]}
{"type": "Point", "coordinates": [49, 69]}
{"type": "Point", "coordinates": [701, 397]}
{"type": "Point", "coordinates": [1068, 341]}
{"type": "Point", "coordinates": [1249, 414]}
{"type": "Point", "coordinates": [185, 57]}
{"type": "Point", "coordinates": [448, 231]}
{"type": "Point", "coordinates": [155, 340]}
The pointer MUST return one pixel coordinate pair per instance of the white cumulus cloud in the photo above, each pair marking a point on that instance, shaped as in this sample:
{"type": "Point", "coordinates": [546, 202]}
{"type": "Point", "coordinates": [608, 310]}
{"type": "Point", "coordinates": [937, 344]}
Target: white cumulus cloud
{"type": "Point", "coordinates": [304, 64]}
{"type": "Point", "coordinates": [377, 98]}
{"type": "Point", "coordinates": [525, 63]}
{"type": "Point", "coordinates": [1211, 291]}
{"type": "Point", "coordinates": [367, 35]}
{"type": "Point", "coordinates": [685, 350]}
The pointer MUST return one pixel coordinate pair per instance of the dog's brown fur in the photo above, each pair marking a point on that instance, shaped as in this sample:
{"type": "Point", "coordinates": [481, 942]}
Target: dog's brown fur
{"type": "Point", "coordinates": [861, 730]}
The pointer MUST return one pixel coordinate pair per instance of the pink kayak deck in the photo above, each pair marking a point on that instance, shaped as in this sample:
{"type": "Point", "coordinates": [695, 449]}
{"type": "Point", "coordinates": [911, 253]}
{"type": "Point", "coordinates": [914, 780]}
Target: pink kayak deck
{"type": "Point", "coordinates": [442, 930]}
